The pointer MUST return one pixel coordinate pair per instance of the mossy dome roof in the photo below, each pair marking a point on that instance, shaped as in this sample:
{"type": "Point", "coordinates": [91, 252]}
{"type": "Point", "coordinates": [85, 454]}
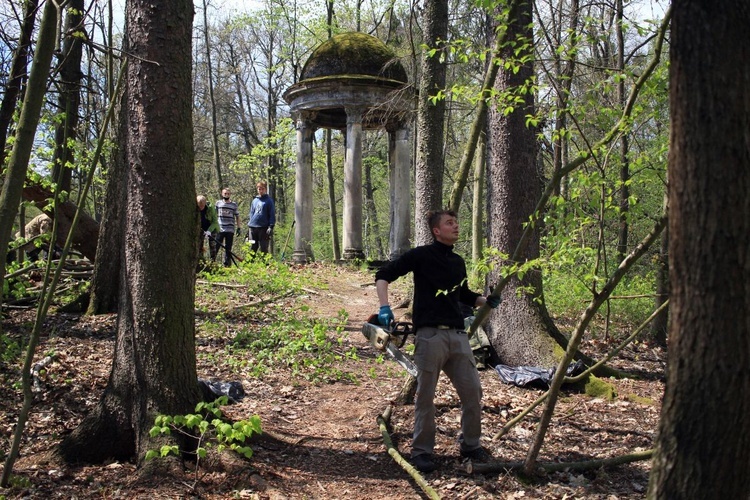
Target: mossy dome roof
{"type": "Point", "coordinates": [353, 54]}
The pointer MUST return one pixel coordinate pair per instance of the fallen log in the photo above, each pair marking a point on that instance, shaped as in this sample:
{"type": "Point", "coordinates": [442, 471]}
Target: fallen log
{"type": "Point", "coordinates": [86, 234]}
{"type": "Point", "coordinates": [399, 459]}
{"type": "Point", "coordinates": [593, 464]}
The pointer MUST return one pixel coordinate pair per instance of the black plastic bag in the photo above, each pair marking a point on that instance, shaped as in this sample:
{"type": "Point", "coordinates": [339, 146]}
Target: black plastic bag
{"type": "Point", "coordinates": [522, 376]}
{"type": "Point", "coordinates": [214, 390]}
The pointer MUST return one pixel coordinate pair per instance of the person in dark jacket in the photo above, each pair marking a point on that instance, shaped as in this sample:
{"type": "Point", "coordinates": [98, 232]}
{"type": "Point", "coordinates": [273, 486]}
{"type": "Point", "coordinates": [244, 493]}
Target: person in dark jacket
{"type": "Point", "coordinates": [262, 218]}
{"type": "Point", "coordinates": [209, 226]}
{"type": "Point", "coordinates": [440, 287]}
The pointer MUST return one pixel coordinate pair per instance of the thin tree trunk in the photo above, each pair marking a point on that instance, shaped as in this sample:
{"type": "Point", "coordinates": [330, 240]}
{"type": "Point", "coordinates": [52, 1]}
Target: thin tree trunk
{"type": "Point", "coordinates": [661, 321]}
{"type": "Point", "coordinates": [478, 234]}
{"type": "Point", "coordinates": [274, 167]}
{"type": "Point", "coordinates": [372, 227]}
{"type": "Point", "coordinates": [248, 135]}
{"type": "Point", "coordinates": [15, 177]}
{"type": "Point", "coordinates": [622, 236]}
{"type": "Point", "coordinates": [336, 245]}
{"type": "Point", "coordinates": [332, 200]}
{"type": "Point", "coordinates": [18, 163]}
{"type": "Point", "coordinates": [17, 73]}
{"type": "Point", "coordinates": [210, 78]}
{"type": "Point", "coordinates": [564, 84]}
{"type": "Point", "coordinates": [70, 95]}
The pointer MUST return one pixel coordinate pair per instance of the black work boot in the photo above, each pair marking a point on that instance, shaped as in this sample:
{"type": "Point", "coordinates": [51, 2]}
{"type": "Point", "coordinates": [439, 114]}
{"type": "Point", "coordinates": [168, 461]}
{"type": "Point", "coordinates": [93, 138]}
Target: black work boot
{"type": "Point", "coordinates": [477, 455]}
{"type": "Point", "coordinates": [423, 463]}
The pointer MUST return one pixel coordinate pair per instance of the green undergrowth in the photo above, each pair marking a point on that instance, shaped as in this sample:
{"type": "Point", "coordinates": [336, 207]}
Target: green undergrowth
{"type": "Point", "coordinates": [310, 348]}
{"type": "Point", "coordinates": [632, 302]}
{"type": "Point", "coordinates": [261, 276]}
{"type": "Point", "coordinates": [270, 329]}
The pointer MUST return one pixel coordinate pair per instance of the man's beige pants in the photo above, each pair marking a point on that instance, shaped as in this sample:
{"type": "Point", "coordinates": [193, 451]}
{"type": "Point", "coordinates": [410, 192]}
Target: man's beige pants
{"type": "Point", "coordinates": [447, 350]}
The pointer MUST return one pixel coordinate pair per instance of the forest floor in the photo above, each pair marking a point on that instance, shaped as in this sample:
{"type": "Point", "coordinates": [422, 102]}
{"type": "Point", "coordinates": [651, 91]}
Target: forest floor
{"type": "Point", "coordinates": [321, 439]}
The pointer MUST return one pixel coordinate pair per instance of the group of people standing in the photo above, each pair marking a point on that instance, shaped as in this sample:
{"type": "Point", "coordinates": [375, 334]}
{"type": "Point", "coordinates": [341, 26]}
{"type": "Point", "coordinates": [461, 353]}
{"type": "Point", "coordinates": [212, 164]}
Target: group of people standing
{"type": "Point", "coordinates": [221, 223]}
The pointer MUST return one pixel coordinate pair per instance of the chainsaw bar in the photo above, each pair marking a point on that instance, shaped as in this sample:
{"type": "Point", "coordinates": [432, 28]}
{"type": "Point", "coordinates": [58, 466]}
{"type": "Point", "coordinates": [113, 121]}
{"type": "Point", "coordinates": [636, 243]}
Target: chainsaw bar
{"type": "Point", "coordinates": [381, 340]}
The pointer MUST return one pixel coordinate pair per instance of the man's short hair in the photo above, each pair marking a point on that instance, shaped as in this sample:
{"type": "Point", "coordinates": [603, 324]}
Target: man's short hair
{"type": "Point", "coordinates": [201, 198]}
{"type": "Point", "coordinates": [433, 217]}
{"type": "Point", "coordinates": [262, 183]}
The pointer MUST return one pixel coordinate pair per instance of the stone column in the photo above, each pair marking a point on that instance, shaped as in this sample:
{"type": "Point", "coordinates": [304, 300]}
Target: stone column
{"type": "Point", "coordinates": [400, 182]}
{"type": "Point", "coordinates": [303, 191]}
{"type": "Point", "coordinates": [353, 186]}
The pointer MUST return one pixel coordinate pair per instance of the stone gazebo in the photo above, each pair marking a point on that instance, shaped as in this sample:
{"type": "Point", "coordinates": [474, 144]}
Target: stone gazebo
{"type": "Point", "coordinates": [352, 82]}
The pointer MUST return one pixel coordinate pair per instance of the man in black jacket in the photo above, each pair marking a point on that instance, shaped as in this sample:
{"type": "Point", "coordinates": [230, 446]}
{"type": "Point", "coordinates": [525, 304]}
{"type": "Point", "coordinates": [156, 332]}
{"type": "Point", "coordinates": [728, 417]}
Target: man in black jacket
{"type": "Point", "coordinates": [440, 286]}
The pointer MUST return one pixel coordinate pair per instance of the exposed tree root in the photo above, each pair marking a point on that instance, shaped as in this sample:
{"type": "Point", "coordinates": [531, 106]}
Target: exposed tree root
{"type": "Point", "coordinates": [283, 438]}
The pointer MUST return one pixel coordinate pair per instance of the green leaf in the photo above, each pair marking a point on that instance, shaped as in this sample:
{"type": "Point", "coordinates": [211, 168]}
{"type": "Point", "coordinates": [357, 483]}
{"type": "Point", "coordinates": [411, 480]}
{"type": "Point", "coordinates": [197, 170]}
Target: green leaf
{"type": "Point", "coordinates": [246, 451]}
{"type": "Point", "coordinates": [167, 449]}
{"type": "Point", "coordinates": [192, 421]}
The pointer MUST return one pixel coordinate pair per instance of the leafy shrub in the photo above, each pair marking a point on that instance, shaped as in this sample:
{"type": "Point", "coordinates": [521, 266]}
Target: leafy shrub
{"type": "Point", "coordinates": [300, 344]}
{"type": "Point", "coordinates": [207, 428]}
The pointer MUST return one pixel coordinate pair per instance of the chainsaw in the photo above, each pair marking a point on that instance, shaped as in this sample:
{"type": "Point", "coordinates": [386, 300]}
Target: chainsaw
{"type": "Point", "coordinates": [390, 340]}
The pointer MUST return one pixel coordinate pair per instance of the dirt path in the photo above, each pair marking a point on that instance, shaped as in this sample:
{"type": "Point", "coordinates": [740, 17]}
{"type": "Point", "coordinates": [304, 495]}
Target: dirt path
{"type": "Point", "coordinates": [333, 447]}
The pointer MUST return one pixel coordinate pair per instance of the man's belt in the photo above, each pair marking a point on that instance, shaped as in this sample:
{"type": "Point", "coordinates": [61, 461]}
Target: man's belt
{"type": "Point", "coordinates": [459, 330]}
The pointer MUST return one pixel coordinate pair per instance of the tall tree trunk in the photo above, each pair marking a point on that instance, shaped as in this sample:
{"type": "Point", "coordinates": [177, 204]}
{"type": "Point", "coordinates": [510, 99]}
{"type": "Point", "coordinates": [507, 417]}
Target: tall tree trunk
{"type": "Point", "coordinates": [703, 443]}
{"type": "Point", "coordinates": [210, 78]}
{"type": "Point", "coordinates": [272, 137]}
{"type": "Point", "coordinates": [70, 95]}
{"type": "Point", "coordinates": [565, 67]}
{"type": "Point", "coordinates": [332, 200]}
{"type": "Point", "coordinates": [660, 323]}
{"type": "Point", "coordinates": [154, 368]}
{"type": "Point", "coordinates": [478, 233]}
{"type": "Point", "coordinates": [519, 329]}
{"type": "Point", "coordinates": [248, 134]}
{"type": "Point", "coordinates": [271, 112]}
{"type": "Point", "coordinates": [430, 162]}
{"type": "Point", "coordinates": [330, 16]}
{"type": "Point", "coordinates": [105, 283]}
{"type": "Point", "coordinates": [622, 236]}
{"type": "Point", "coordinates": [18, 162]}
{"type": "Point", "coordinates": [17, 73]}
{"type": "Point", "coordinates": [478, 126]}
{"type": "Point", "coordinates": [372, 227]}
